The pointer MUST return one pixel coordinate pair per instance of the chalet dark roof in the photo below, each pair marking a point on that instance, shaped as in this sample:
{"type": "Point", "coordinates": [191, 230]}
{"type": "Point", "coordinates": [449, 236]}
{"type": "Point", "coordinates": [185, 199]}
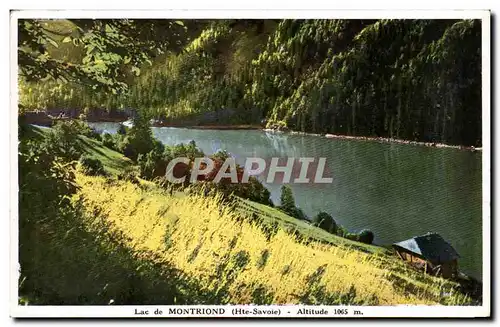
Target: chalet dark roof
{"type": "Point", "coordinates": [431, 247]}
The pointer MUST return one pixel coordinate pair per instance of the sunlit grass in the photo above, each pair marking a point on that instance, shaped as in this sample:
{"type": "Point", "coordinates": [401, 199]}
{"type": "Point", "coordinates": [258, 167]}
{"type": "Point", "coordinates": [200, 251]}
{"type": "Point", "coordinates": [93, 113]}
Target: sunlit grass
{"type": "Point", "coordinates": [271, 215]}
{"type": "Point", "coordinates": [238, 263]}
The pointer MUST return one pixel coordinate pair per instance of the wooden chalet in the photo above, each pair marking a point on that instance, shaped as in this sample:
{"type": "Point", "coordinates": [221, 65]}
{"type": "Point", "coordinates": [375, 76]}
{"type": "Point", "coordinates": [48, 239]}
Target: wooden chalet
{"type": "Point", "coordinates": [431, 253]}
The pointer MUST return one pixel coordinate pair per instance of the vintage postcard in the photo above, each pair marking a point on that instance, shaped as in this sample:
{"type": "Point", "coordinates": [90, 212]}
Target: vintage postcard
{"type": "Point", "coordinates": [262, 164]}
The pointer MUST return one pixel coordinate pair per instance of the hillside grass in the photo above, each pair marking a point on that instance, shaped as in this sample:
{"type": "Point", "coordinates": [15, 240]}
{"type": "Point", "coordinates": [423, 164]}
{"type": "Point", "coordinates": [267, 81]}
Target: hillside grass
{"type": "Point", "coordinates": [270, 216]}
{"type": "Point", "coordinates": [113, 162]}
{"type": "Point", "coordinates": [236, 262]}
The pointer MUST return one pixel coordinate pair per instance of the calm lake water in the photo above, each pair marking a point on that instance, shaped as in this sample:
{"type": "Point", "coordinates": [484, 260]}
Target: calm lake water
{"type": "Point", "coordinates": [397, 191]}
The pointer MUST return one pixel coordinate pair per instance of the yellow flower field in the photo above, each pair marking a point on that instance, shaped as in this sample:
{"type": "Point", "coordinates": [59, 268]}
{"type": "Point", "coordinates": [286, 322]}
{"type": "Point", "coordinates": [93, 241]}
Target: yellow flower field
{"type": "Point", "coordinates": [204, 240]}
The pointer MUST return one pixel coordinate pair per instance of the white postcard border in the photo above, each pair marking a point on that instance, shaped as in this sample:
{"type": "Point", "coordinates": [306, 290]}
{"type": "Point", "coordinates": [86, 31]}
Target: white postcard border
{"type": "Point", "coordinates": [437, 311]}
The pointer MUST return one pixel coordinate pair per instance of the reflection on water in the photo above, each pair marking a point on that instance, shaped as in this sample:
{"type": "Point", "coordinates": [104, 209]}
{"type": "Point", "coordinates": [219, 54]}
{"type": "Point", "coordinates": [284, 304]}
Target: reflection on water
{"type": "Point", "coordinates": [398, 191]}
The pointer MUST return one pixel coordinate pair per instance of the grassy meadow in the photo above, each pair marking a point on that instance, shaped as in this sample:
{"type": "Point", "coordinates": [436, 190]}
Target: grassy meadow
{"type": "Point", "coordinates": [236, 262]}
{"type": "Point", "coordinates": [274, 217]}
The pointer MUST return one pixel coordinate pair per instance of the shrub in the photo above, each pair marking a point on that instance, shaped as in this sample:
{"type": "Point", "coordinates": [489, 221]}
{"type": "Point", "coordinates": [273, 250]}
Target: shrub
{"type": "Point", "coordinates": [278, 125]}
{"type": "Point", "coordinates": [326, 222]}
{"type": "Point", "coordinates": [139, 139]}
{"type": "Point", "coordinates": [108, 141]}
{"type": "Point", "coordinates": [253, 190]}
{"type": "Point", "coordinates": [122, 130]}
{"type": "Point", "coordinates": [124, 146]}
{"type": "Point", "coordinates": [63, 141]}
{"type": "Point", "coordinates": [341, 231]}
{"type": "Point", "coordinates": [81, 127]}
{"type": "Point", "coordinates": [95, 135]}
{"type": "Point", "coordinates": [221, 155]}
{"type": "Point", "coordinates": [257, 192]}
{"type": "Point", "coordinates": [287, 200]}
{"type": "Point", "coordinates": [366, 236]}
{"type": "Point", "coordinates": [152, 164]}
{"type": "Point", "coordinates": [288, 204]}
{"type": "Point", "coordinates": [352, 236]}
{"type": "Point", "coordinates": [299, 214]}
{"type": "Point", "coordinates": [183, 150]}
{"type": "Point", "coordinates": [129, 174]}
{"type": "Point", "coordinates": [92, 166]}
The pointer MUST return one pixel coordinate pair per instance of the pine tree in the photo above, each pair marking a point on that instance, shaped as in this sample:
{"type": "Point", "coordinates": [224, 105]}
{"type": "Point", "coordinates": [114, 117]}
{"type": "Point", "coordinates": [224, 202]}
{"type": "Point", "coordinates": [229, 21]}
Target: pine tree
{"type": "Point", "coordinates": [287, 200]}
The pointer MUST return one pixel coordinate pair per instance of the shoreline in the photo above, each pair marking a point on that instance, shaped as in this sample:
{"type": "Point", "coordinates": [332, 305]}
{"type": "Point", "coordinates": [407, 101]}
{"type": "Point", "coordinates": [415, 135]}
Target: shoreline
{"type": "Point", "coordinates": [49, 122]}
{"type": "Point", "coordinates": [329, 136]}
{"type": "Point", "coordinates": [212, 127]}
{"type": "Point", "coordinates": [379, 140]}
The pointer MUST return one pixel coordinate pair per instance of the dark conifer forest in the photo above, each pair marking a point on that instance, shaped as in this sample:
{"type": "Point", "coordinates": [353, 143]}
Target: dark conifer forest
{"type": "Point", "coordinates": [417, 80]}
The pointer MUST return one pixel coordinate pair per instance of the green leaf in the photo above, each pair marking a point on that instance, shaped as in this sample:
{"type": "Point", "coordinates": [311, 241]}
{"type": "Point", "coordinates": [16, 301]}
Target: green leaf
{"type": "Point", "coordinates": [66, 39]}
{"type": "Point", "coordinates": [108, 28]}
{"type": "Point", "coordinates": [90, 49]}
{"type": "Point", "coordinates": [179, 22]}
{"type": "Point", "coordinates": [54, 43]}
{"type": "Point", "coordinates": [136, 70]}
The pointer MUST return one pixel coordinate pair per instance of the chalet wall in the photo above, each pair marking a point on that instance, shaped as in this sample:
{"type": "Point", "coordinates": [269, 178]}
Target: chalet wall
{"type": "Point", "coordinates": [446, 270]}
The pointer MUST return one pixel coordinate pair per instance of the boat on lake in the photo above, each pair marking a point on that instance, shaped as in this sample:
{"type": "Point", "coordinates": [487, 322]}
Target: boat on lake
{"type": "Point", "coordinates": [129, 123]}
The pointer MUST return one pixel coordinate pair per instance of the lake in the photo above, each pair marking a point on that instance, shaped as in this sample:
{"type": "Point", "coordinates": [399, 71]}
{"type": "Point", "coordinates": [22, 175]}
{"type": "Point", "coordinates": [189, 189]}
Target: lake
{"type": "Point", "coordinates": [396, 190]}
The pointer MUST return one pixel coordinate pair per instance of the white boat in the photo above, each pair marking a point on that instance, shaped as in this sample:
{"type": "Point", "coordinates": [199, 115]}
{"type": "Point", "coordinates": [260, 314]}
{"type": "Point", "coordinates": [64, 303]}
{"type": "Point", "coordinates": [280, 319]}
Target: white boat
{"type": "Point", "coordinates": [129, 123]}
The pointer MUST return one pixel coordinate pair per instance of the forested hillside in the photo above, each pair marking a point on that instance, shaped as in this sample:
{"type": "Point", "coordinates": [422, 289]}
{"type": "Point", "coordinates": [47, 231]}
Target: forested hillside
{"type": "Point", "coordinates": [409, 79]}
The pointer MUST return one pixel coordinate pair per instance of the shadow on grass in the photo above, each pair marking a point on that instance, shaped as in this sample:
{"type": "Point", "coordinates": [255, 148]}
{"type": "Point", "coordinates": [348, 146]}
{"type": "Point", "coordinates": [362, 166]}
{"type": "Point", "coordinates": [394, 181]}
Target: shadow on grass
{"type": "Point", "coordinates": [94, 148]}
{"type": "Point", "coordinates": [65, 261]}
{"type": "Point", "coordinates": [117, 163]}
{"type": "Point", "coordinates": [78, 258]}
